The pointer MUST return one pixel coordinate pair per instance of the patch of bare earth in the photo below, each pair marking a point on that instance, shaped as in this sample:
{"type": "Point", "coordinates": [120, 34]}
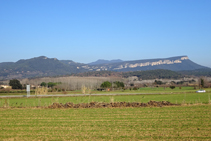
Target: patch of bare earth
{"type": "Point", "coordinates": [112, 104]}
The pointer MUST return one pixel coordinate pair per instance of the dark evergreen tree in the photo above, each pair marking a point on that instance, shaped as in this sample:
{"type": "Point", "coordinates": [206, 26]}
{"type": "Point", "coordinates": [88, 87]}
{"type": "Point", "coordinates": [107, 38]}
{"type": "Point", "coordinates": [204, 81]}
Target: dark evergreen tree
{"type": "Point", "coordinates": [119, 84]}
{"type": "Point", "coordinates": [202, 83]}
{"type": "Point", "coordinates": [106, 84]}
{"type": "Point", "coordinates": [43, 84]}
{"type": "Point", "coordinates": [15, 84]}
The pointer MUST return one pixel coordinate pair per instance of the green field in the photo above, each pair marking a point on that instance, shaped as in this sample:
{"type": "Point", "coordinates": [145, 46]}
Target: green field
{"type": "Point", "coordinates": [160, 90]}
{"type": "Point", "coordinates": [21, 120]}
{"type": "Point", "coordinates": [167, 123]}
{"type": "Point", "coordinates": [184, 98]}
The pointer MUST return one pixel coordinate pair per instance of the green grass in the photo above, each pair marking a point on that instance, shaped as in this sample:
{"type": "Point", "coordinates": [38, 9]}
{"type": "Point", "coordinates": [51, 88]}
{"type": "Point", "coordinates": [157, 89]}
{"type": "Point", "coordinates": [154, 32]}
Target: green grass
{"type": "Point", "coordinates": [167, 123]}
{"type": "Point", "coordinates": [184, 98]}
{"type": "Point", "coordinates": [141, 90]}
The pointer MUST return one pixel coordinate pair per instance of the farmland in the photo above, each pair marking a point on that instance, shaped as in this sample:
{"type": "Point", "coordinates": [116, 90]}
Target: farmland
{"type": "Point", "coordinates": [21, 119]}
{"type": "Point", "coordinates": [160, 90]}
{"type": "Point", "coordinates": [167, 123]}
{"type": "Point", "coordinates": [176, 96]}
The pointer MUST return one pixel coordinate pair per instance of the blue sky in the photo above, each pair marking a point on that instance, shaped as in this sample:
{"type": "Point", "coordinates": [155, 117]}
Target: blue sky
{"type": "Point", "coordinates": [87, 30]}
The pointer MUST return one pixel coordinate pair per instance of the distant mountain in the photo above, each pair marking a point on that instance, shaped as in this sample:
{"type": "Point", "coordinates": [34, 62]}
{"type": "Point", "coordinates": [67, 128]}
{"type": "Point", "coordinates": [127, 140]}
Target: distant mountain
{"type": "Point", "coordinates": [71, 63]}
{"type": "Point", "coordinates": [43, 66]}
{"type": "Point", "coordinates": [178, 63]}
{"type": "Point", "coordinates": [101, 61]}
{"type": "Point", "coordinates": [36, 67]}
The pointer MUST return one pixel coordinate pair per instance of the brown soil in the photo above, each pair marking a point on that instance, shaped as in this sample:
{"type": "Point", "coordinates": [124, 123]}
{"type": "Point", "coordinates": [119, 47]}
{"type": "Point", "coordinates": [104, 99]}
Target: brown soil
{"type": "Point", "coordinates": [112, 104]}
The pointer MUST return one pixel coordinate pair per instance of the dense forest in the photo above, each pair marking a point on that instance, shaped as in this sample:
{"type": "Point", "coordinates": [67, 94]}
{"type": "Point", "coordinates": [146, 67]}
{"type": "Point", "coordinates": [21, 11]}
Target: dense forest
{"type": "Point", "coordinates": [154, 74]}
{"type": "Point", "coordinates": [142, 75]}
{"type": "Point", "coordinates": [198, 72]}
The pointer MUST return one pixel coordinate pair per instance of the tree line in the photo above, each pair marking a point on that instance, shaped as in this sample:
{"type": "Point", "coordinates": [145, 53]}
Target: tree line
{"type": "Point", "coordinates": [142, 75]}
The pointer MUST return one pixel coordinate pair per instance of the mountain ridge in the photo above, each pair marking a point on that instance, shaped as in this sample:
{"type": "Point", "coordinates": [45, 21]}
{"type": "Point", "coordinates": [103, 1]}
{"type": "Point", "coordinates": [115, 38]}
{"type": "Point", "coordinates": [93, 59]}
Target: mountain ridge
{"type": "Point", "coordinates": [102, 61]}
{"type": "Point", "coordinates": [43, 66]}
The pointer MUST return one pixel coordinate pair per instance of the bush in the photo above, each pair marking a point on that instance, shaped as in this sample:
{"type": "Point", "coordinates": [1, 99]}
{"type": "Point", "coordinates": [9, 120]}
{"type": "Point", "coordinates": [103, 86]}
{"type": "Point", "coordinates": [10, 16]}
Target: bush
{"type": "Point", "coordinates": [43, 84]}
{"type": "Point", "coordinates": [119, 84]}
{"type": "Point", "coordinates": [158, 82]}
{"type": "Point", "coordinates": [131, 84]}
{"type": "Point", "coordinates": [172, 87]}
{"type": "Point", "coordinates": [135, 88]}
{"type": "Point", "coordinates": [51, 84]}
{"type": "Point", "coordinates": [49, 90]}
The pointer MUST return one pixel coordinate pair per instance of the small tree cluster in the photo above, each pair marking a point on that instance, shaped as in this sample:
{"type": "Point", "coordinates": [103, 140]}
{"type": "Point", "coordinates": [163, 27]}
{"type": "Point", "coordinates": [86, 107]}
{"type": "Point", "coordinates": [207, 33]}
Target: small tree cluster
{"type": "Point", "coordinates": [15, 84]}
{"type": "Point", "coordinates": [49, 84]}
{"type": "Point", "coordinates": [119, 84]}
{"type": "Point", "coordinates": [159, 82]}
{"type": "Point", "coordinates": [106, 84]}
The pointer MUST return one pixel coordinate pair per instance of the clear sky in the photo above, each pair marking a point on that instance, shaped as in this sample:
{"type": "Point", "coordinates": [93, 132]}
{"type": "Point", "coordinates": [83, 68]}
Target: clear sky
{"type": "Point", "coordinates": [87, 30]}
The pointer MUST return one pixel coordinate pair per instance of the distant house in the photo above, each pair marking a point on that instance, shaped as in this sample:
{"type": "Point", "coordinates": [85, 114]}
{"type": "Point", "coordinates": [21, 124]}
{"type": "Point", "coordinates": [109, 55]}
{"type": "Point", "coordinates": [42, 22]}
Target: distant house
{"type": "Point", "coordinates": [33, 87]}
{"type": "Point", "coordinates": [6, 86]}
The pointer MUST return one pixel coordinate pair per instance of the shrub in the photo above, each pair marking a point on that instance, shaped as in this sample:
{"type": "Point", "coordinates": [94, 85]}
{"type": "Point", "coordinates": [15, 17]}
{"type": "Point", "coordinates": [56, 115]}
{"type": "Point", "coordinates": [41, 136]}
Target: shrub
{"type": "Point", "coordinates": [158, 82]}
{"type": "Point", "coordinates": [51, 84]}
{"type": "Point", "coordinates": [145, 85]}
{"type": "Point", "coordinates": [135, 88]}
{"type": "Point", "coordinates": [43, 84]}
{"type": "Point", "coordinates": [119, 84]}
{"type": "Point", "coordinates": [131, 84]}
{"type": "Point", "coordinates": [49, 90]}
{"type": "Point", "coordinates": [172, 87]}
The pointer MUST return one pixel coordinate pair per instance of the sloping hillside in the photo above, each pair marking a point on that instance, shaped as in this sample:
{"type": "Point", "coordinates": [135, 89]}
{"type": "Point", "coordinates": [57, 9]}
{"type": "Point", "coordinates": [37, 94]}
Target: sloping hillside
{"type": "Point", "coordinates": [39, 66]}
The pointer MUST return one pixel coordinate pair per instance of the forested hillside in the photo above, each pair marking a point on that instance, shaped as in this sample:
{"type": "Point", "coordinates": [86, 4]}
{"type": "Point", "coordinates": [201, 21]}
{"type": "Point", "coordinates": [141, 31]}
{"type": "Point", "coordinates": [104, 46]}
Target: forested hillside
{"type": "Point", "coordinates": [198, 72]}
{"type": "Point", "coordinates": [150, 74]}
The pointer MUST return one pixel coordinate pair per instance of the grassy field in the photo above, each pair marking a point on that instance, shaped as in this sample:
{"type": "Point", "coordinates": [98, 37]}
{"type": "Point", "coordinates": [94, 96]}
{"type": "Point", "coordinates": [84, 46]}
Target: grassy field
{"type": "Point", "coordinates": [167, 123]}
{"type": "Point", "coordinates": [191, 121]}
{"type": "Point", "coordinates": [184, 98]}
{"type": "Point", "coordinates": [160, 90]}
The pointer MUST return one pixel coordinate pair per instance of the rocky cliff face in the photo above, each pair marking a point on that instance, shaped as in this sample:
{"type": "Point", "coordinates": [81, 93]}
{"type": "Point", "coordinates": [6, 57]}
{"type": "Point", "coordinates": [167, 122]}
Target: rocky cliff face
{"type": "Point", "coordinates": [173, 63]}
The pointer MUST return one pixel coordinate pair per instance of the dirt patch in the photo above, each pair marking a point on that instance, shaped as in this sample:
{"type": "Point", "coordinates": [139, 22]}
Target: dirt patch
{"type": "Point", "coordinates": [112, 104]}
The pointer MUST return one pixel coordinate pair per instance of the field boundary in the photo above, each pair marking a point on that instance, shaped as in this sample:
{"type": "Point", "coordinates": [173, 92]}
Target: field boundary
{"type": "Point", "coordinates": [78, 95]}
